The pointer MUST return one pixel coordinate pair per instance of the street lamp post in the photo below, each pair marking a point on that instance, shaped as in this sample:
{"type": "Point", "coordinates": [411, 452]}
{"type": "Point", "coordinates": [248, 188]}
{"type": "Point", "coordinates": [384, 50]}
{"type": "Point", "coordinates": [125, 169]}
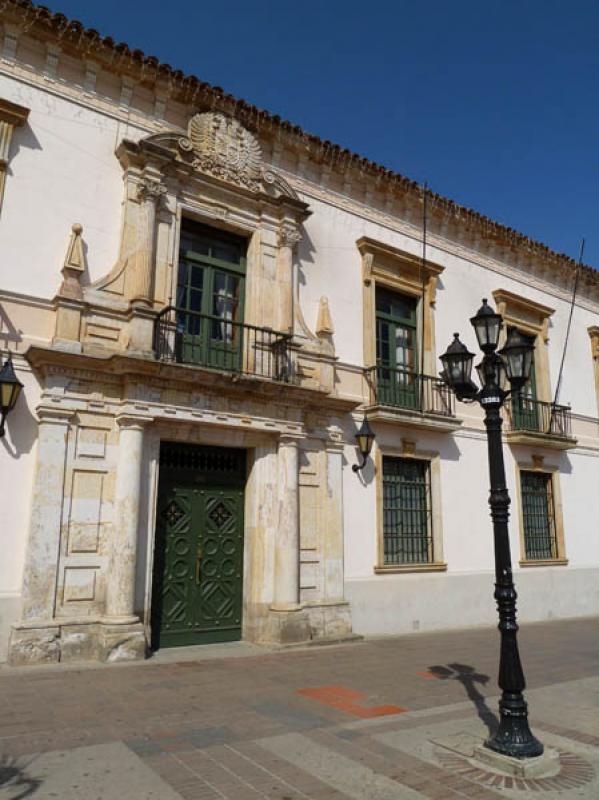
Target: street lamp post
{"type": "Point", "coordinates": [513, 736]}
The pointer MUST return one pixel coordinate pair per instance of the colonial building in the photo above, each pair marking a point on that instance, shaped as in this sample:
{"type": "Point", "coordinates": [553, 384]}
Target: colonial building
{"type": "Point", "coordinates": [201, 301]}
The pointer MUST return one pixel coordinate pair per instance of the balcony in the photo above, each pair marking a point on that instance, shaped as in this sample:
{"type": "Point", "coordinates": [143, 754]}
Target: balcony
{"type": "Point", "coordinates": [220, 344]}
{"type": "Point", "coordinates": [535, 422]}
{"type": "Point", "coordinates": [400, 396]}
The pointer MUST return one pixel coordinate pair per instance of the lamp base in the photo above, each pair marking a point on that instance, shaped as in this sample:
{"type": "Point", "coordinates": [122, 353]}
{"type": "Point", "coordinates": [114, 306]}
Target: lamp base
{"type": "Point", "coordinates": [515, 739]}
{"type": "Point", "coordinates": [544, 766]}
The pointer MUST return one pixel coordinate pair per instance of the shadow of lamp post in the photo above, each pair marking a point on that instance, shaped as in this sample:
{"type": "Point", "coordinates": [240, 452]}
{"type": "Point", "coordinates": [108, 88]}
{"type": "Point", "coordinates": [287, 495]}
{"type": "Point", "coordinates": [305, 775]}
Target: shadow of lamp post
{"type": "Point", "coordinates": [513, 736]}
{"type": "Point", "coordinates": [10, 389]}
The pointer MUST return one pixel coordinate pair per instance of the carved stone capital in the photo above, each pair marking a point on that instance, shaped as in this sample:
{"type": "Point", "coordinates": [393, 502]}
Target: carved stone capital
{"type": "Point", "coordinates": [151, 191]}
{"type": "Point", "coordinates": [288, 236]}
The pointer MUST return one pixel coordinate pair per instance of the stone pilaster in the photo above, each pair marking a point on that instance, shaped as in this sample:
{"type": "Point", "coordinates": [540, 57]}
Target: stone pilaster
{"type": "Point", "coordinates": [333, 540]}
{"type": "Point", "coordinates": [122, 635]}
{"type": "Point", "coordinates": [288, 238]}
{"type": "Point", "coordinates": [291, 622]}
{"type": "Point", "coordinates": [331, 618]}
{"type": "Point", "coordinates": [150, 192]}
{"type": "Point", "coordinates": [35, 639]}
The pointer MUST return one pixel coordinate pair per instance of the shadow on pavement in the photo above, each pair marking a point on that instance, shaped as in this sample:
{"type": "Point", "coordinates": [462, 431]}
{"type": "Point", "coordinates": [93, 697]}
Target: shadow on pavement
{"type": "Point", "coordinates": [468, 677]}
{"type": "Point", "coordinates": [13, 775]}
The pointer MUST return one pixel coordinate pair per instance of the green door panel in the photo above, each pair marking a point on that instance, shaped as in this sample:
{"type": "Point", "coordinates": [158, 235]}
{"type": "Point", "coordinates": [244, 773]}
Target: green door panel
{"type": "Point", "coordinates": [526, 414]}
{"type": "Point", "coordinates": [198, 562]}
{"type": "Point", "coordinates": [210, 298]}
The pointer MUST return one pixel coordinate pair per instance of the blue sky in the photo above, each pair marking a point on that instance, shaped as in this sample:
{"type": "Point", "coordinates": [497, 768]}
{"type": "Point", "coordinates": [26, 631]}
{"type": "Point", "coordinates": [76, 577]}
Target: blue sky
{"type": "Point", "coordinates": [494, 104]}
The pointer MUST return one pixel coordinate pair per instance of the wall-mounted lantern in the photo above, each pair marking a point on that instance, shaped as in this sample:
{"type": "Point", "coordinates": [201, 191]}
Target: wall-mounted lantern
{"type": "Point", "coordinates": [365, 440]}
{"type": "Point", "coordinates": [10, 389]}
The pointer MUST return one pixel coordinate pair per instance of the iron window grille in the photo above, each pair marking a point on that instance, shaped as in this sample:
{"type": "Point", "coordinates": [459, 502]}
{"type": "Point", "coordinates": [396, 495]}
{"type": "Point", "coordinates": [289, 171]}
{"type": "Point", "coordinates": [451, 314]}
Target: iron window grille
{"type": "Point", "coordinates": [538, 513]}
{"type": "Point", "coordinates": [407, 514]}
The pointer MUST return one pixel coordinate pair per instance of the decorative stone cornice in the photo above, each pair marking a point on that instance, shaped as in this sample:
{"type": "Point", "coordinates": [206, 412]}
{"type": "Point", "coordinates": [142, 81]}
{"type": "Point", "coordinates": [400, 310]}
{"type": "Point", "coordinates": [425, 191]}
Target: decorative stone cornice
{"type": "Point", "coordinates": [133, 421]}
{"type": "Point", "coordinates": [12, 114]}
{"type": "Point", "coordinates": [526, 314]}
{"type": "Point", "coordinates": [54, 415]}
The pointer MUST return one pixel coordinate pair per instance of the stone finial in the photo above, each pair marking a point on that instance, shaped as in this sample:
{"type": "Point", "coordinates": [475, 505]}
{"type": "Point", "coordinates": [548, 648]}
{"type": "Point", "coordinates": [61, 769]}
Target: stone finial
{"type": "Point", "coordinates": [324, 323]}
{"type": "Point", "coordinates": [74, 265]}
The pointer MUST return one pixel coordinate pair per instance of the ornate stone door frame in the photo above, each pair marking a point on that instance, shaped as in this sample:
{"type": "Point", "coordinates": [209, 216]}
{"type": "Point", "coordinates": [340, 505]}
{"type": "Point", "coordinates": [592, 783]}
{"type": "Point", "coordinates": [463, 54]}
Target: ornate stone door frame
{"type": "Point", "coordinates": [265, 550]}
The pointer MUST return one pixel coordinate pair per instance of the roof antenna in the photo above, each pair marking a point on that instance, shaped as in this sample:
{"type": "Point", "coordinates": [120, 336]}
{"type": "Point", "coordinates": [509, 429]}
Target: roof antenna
{"type": "Point", "coordinates": [561, 368]}
{"type": "Point", "coordinates": [423, 277]}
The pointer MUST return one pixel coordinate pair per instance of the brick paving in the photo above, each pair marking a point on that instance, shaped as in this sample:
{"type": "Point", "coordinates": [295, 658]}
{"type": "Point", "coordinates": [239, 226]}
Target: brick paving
{"type": "Point", "coordinates": [360, 721]}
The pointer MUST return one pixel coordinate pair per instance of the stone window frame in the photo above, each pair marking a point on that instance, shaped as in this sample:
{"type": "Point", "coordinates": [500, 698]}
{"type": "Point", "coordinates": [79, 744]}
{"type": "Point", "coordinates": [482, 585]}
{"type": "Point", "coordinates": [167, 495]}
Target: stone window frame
{"type": "Point", "coordinates": [433, 458]}
{"type": "Point", "coordinates": [389, 267]}
{"type": "Point", "coordinates": [593, 332]}
{"type": "Point", "coordinates": [531, 318]}
{"type": "Point", "coordinates": [12, 116]}
{"type": "Point", "coordinates": [537, 464]}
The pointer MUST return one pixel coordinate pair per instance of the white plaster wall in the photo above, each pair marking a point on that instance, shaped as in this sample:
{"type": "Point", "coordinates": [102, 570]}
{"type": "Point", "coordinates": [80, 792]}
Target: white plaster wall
{"type": "Point", "coordinates": [329, 264]}
{"type": "Point", "coordinates": [580, 498]}
{"type": "Point", "coordinates": [62, 169]}
{"type": "Point", "coordinates": [17, 460]}
{"type": "Point", "coordinates": [386, 604]}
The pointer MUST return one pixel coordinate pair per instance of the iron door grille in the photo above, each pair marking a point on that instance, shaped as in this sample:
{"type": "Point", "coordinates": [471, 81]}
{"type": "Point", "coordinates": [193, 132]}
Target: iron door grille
{"type": "Point", "coordinates": [407, 518]}
{"type": "Point", "coordinates": [538, 514]}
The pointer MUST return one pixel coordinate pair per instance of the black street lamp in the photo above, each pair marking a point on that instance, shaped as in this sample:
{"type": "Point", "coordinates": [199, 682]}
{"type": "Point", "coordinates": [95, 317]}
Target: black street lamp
{"type": "Point", "coordinates": [365, 440]}
{"type": "Point", "coordinates": [513, 737]}
{"type": "Point", "coordinates": [10, 389]}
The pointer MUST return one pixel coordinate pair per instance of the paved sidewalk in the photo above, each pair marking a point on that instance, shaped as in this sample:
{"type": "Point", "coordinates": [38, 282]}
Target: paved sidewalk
{"type": "Point", "coordinates": [373, 720]}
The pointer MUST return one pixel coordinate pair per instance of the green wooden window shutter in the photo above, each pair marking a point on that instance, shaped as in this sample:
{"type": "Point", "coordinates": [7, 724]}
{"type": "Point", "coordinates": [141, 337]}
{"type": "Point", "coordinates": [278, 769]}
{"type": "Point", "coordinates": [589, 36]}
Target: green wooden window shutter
{"type": "Point", "coordinates": [396, 349]}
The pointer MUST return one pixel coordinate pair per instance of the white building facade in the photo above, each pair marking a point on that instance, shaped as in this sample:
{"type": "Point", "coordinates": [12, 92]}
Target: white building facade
{"type": "Point", "coordinates": [202, 301]}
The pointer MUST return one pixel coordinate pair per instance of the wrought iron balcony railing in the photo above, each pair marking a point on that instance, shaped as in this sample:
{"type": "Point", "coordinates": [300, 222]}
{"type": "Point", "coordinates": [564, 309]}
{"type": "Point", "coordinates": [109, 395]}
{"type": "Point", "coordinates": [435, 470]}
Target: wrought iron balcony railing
{"type": "Point", "coordinates": [537, 416]}
{"type": "Point", "coordinates": [187, 337]}
{"type": "Point", "coordinates": [398, 388]}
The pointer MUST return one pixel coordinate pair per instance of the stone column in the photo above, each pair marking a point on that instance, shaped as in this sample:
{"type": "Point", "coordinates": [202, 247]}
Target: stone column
{"type": "Point", "coordinates": [288, 238]}
{"type": "Point", "coordinates": [123, 636]}
{"type": "Point", "coordinates": [291, 623]}
{"type": "Point", "coordinates": [120, 585]}
{"type": "Point", "coordinates": [36, 638]}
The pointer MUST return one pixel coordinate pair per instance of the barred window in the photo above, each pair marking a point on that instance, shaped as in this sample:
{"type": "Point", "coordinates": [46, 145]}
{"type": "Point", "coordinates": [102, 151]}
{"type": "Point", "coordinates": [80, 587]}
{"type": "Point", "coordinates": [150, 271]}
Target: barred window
{"type": "Point", "coordinates": [407, 519]}
{"type": "Point", "coordinates": [540, 541]}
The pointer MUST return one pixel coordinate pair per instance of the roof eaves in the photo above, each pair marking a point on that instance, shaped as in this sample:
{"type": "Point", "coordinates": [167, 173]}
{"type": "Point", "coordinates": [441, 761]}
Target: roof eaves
{"type": "Point", "coordinates": [335, 155]}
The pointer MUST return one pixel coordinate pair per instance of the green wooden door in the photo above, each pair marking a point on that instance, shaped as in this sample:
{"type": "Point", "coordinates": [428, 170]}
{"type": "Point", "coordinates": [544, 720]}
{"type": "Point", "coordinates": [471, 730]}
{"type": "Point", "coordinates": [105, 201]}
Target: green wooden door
{"type": "Point", "coordinates": [198, 562]}
{"type": "Point", "coordinates": [396, 350]}
{"type": "Point", "coordinates": [210, 295]}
